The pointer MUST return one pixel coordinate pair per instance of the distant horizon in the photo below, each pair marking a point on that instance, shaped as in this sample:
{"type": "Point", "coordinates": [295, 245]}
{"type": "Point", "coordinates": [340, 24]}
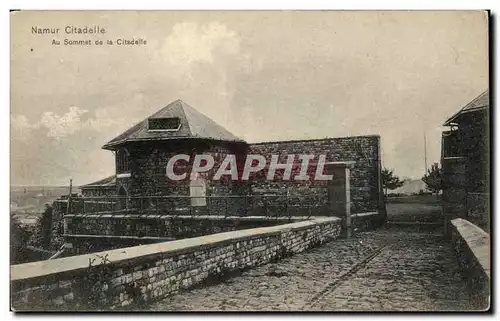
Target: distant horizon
{"type": "Point", "coordinates": [59, 186]}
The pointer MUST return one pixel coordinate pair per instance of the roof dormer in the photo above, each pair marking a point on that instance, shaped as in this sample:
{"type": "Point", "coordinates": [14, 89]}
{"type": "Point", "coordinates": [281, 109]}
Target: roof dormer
{"type": "Point", "coordinates": [169, 124]}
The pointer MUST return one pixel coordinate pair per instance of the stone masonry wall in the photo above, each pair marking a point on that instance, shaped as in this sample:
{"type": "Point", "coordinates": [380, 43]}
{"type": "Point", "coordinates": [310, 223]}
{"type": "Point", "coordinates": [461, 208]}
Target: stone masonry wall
{"type": "Point", "coordinates": [365, 174]}
{"type": "Point", "coordinates": [139, 275]}
{"type": "Point", "coordinates": [115, 231]}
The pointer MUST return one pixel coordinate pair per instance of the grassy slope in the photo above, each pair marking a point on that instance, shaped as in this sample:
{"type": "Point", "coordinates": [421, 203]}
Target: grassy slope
{"type": "Point", "coordinates": [415, 208]}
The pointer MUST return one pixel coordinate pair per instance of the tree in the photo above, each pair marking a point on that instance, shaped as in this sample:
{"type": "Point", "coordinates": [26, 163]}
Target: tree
{"type": "Point", "coordinates": [46, 226]}
{"type": "Point", "coordinates": [19, 237]}
{"type": "Point", "coordinates": [433, 178]}
{"type": "Point", "coordinates": [43, 230]}
{"type": "Point", "coordinates": [390, 181]}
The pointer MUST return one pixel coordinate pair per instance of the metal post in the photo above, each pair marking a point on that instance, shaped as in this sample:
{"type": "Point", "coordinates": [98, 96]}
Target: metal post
{"type": "Point", "coordinates": [466, 205]}
{"type": "Point", "coordinates": [348, 201]}
{"type": "Point", "coordinates": [68, 210]}
{"type": "Point", "coordinates": [245, 205]}
{"type": "Point", "coordinates": [286, 204]}
{"type": "Point", "coordinates": [190, 206]}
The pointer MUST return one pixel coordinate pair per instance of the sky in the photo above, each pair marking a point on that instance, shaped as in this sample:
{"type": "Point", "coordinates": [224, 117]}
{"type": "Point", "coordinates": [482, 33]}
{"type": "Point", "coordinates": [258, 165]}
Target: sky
{"type": "Point", "coordinates": [263, 75]}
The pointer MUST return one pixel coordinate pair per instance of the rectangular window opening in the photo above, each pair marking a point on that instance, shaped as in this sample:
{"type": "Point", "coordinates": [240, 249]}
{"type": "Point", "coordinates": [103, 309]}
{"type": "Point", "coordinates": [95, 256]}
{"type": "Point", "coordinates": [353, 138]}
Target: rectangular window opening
{"type": "Point", "coordinates": [164, 124]}
{"type": "Point", "coordinates": [122, 162]}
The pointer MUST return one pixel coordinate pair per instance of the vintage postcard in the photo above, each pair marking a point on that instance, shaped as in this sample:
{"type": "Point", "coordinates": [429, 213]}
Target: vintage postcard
{"type": "Point", "coordinates": [250, 161]}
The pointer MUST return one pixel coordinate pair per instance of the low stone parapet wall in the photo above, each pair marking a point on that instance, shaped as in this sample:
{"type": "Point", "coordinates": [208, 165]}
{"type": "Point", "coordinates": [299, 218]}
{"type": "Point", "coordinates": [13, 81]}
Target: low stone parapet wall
{"type": "Point", "coordinates": [472, 247]}
{"type": "Point", "coordinates": [126, 277]}
{"type": "Point", "coordinates": [366, 221]}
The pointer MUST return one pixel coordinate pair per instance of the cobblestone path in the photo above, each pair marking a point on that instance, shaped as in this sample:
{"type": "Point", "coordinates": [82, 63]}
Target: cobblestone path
{"type": "Point", "coordinates": [384, 270]}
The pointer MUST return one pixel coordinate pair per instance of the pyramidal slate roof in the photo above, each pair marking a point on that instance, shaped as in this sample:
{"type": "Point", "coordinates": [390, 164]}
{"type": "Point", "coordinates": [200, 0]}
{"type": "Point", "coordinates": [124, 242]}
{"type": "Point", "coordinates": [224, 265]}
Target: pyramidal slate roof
{"type": "Point", "coordinates": [479, 103]}
{"type": "Point", "coordinates": [193, 124]}
{"type": "Point", "coordinates": [106, 182]}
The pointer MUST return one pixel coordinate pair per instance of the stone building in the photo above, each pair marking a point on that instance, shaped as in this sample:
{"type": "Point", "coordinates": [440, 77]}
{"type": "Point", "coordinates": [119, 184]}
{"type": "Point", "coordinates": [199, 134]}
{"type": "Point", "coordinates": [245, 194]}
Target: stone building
{"type": "Point", "coordinates": [140, 204]}
{"type": "Point", "coordinates": [465, 161]}
{"type": "Point", "coordinates": [361, 154]}
{"type": "Point", "coordinates": [142, 153]}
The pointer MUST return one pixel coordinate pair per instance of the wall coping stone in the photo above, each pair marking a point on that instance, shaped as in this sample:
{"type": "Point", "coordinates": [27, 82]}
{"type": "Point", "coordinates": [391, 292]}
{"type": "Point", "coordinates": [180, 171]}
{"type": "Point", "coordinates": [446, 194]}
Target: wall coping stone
{"type": "Point", "coordinates": [477, 240]}
{"type": "Point", "coordinates": [313, 140]}
{"type": "Point", "coordinates": [125, 237]}
{"type": "Point", "coordinates": [81, 262]}
{"type": "Point", "coordinates": [365, 214]}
